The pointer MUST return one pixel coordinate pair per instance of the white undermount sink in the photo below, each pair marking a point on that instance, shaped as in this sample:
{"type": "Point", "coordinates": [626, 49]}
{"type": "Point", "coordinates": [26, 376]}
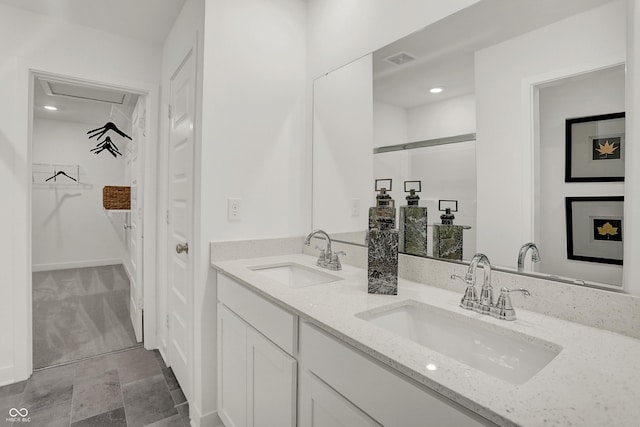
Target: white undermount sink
{"type": "Point", "coordinates": [295, 275]}
{"type": "Point", "coordinates": [503, 353]}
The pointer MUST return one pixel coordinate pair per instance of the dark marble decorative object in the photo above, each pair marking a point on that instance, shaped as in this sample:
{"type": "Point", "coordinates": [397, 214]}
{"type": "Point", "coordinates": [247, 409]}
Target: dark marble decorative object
{"type": "Point", "coordinates": [413, 230]}
{"type": "Point", "coordinates": [447, 241]}
{"type": "Point", "coordinates": [383, 262]}
{"type": "Point", "coordinates": [382, 218]}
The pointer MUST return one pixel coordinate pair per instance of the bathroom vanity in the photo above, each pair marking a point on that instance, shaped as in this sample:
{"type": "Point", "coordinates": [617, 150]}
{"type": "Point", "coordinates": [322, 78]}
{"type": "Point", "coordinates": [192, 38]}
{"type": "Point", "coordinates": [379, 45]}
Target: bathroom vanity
{"type": "Point", "coordinates": [299, 345]}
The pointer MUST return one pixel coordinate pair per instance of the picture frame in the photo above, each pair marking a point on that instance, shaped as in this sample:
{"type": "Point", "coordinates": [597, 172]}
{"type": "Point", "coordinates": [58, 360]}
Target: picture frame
{"type": "Point", "coordinates": [595, 148]}
{"type": "Point", "coordinates": [595, 229]}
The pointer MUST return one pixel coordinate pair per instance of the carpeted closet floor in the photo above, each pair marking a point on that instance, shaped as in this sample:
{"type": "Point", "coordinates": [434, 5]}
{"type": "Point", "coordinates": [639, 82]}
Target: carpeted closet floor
{"type": "Point", "coordinates": [79, 313]}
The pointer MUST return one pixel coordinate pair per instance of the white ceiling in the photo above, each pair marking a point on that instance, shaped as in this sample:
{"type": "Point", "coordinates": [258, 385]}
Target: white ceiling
{"type": "Point", "coordinates": [148, 20]}
{"type": "Point", "coordinates": [82, 107]}
{"type": "Point", "coordinates": [445, 50]}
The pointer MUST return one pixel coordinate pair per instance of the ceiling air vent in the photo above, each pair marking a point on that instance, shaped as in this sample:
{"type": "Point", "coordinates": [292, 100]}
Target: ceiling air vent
{"type": "Point", "coordinates": [400, 58]}
{"type": "Point", "coordinates": [57, 88]}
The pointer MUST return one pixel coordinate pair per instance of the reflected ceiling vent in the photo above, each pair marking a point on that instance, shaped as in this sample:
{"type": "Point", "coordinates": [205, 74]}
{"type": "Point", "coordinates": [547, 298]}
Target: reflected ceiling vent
{"type": "Point", "coordinates": [59, 88]}
{"type": "Point", "coordinates": [400, 58]}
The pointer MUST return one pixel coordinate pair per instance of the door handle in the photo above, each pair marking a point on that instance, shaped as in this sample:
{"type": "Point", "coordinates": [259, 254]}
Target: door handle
{"type": "Point", "coordinates": [182, 248]}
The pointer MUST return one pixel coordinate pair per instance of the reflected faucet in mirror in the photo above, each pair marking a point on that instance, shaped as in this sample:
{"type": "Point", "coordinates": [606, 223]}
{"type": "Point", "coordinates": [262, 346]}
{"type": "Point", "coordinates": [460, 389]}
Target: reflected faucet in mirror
{"type": "Point", "coordinates": [535, 254]}
{"type": "Point", "coordinates": [326, 259]}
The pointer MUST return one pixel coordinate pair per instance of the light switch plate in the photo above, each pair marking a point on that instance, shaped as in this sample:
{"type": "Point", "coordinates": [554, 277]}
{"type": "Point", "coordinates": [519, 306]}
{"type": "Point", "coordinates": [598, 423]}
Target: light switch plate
{"type": "Point", "coordinates": [234, 209]}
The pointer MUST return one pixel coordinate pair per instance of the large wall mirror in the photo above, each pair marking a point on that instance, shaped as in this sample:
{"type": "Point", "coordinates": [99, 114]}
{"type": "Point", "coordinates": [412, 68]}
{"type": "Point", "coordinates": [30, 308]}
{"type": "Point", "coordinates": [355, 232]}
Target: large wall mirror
{"type": "Point", "coordinates": [491, 144]}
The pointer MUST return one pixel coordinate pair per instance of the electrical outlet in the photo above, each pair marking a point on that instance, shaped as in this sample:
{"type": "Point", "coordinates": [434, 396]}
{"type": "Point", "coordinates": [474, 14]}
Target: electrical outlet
{"type": "Point", "coordinates": [355, 208]}
{"type": "Point", "coordinates": [233, 209]}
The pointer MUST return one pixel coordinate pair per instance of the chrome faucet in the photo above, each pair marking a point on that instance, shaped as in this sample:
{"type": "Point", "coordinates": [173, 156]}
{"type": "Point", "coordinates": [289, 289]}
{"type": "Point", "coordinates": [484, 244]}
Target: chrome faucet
{"type": "Point", "coordinates": [470, 301]}
{"type": "Point", "coordinates": [486, 292]}
{"type": "Point", "coordinates": [502, 309]}
{"type": "Point", "coordinates": [535, 254]}
{"type": "Point", "coordinates": [326, 259]}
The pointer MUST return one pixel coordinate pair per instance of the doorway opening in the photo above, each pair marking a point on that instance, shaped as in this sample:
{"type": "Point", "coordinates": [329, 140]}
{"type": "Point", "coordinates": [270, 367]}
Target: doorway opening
{"type": "Point", "coordinates": [87, 167]}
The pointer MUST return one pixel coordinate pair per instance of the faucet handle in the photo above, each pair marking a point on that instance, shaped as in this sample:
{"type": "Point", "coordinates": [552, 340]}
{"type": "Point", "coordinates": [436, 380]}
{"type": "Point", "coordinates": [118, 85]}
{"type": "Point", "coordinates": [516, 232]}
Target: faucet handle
{"type": "Point", "coordinates": [470, 298]}
{"type": "Point", "coordinates": [456, 276]}
{"type": "Point", "coordinates": [334, 264]}
{"type": "Point", "coordinates": [503, 308]}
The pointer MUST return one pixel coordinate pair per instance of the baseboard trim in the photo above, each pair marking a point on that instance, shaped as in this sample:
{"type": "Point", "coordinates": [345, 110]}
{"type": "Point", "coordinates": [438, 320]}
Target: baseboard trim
{"type": "Point", "coordinates": [76, 264]}
{"type": "Point", "coordinates": [210, 419]}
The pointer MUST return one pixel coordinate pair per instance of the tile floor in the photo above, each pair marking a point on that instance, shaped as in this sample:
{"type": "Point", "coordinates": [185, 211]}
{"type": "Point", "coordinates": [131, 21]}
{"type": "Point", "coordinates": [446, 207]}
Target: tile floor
{"type": "Point", "coordinates": [131, 388]}
{"type": "Point", "coordinates": [80, 312]}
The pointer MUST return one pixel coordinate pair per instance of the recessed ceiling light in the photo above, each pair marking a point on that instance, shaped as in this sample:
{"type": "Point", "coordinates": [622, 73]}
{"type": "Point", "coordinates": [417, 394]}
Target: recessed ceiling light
{"type": "Point", "coordinates": [435, 90]}
{"type": "Point", "coordinates": [50, 107]}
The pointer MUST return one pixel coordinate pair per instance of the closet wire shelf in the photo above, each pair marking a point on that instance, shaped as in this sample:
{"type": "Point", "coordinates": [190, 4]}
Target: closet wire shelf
{"type": "Point", "coordinates": [56, 175]}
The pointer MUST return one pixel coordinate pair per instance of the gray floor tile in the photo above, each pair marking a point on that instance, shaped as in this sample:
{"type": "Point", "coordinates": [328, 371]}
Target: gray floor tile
{"type": "Point", "coordinates": [91, 367]}
{"type": "Point", "coordinates": [79, 313]}
{"type": "Point", "coordinates": [136, 364]}
{"type": "Point", "coordinates": [49, 388]}
{"type": "Point", "coordinates": [115, 418]}
{"type": "Point", "coordinates": [183, 410]}
{"type": "Point", "coordinates": [172, 381]}
{"type": "Point", "coordinates": [178, 396]}
{"type": "Point", "coordinates": [12, 389]}
{"type": "Point", "coordinates": [147, 401]}
{"type": "Point", "coordinates": [95, 395]}
{"type": "Point", "coordinates": [57, 415]}
{"type": "Point", "coordinates": [159, 358]}
{"type": "Point", "coordinates": [174, 421]}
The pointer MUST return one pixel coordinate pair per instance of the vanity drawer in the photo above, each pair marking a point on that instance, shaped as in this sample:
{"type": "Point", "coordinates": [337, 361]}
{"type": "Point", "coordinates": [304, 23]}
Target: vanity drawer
{"type": "Point", "coordinates": [383, 394]}
{"type": "Point", "coordinates": [275, 323]}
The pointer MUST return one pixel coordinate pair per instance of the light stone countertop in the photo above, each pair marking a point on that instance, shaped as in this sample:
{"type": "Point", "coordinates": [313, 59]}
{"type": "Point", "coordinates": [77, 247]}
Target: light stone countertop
{"type": "Point", "coordinates": [594, 381]}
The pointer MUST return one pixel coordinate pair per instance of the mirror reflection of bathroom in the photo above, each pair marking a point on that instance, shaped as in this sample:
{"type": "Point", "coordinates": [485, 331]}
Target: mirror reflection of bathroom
{"type": "Point", "coordinates": [444, 106]}
{"type": "Point", "coordinates": [83, 247]}
{"type": "Point", "coordinates": [591, 94]}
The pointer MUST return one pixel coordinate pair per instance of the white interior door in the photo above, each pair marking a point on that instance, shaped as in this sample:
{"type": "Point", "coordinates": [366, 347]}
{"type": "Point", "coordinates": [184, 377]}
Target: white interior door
{"type": "Point", "coordinates": [135, 220]}
{"type": "Point", "coordinates": [180, 218]}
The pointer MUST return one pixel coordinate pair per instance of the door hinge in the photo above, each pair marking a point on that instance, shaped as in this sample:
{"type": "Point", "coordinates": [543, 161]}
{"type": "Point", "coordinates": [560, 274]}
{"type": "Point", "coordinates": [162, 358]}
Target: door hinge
{"type": "Point", "coordinates": [169, 111]}
{"type": "Point", "coordinates": [168, 216]}
{"type": "Point", "coordinates": [167, 321]}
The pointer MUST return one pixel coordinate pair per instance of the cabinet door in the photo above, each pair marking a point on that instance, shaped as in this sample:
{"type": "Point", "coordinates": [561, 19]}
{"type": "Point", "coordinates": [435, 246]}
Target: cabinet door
{"type": "Point", "coordinates": [271, 383]}
{"type": "Point", "coordinates": [322, 406]}
{"type": "Point", "coordinates": [232, 368]}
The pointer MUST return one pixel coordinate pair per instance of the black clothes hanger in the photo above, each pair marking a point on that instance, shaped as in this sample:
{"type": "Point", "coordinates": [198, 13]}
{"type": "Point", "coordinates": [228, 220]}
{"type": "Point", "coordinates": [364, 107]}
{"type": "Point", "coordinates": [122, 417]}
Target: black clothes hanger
{"type": "Point", "coordinates": [60, 173]}
{"type": "Point", "coordinates": [99, 132]}
{"type": "Point", "coordinates": [108, 145]}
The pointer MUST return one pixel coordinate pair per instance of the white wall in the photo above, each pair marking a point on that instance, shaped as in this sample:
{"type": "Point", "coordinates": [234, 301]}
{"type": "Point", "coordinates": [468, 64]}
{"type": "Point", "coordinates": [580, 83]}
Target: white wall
{"type": "Point", "coordinates": [342, 152]}
{"type": "Point", "coordinates": [253, 145]}
{"type": "Point", "coordinates": [32, 41]}
{"type": "Point", "coordinates": [389, 124]}
{"type": "Point", "coordinates": [503, 148]}
{"type": "Point", "coordinates": [70, 227]}
{"type": "Point", "coordinates": [454, 116]}
{"type": "Point", "coordinates": [599, 92]}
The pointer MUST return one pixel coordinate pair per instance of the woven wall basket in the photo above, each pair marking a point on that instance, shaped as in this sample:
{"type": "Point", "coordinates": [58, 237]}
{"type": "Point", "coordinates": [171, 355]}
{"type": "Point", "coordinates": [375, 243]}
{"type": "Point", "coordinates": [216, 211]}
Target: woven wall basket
{"type": "Point", "coordinates": [116, 197]}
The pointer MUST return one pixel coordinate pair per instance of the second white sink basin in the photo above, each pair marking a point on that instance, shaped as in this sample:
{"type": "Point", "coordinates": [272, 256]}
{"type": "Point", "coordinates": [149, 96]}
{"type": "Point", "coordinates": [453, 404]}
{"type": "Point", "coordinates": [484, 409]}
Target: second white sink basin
{"type": "Point", "coordinates": [498, 351]}
{"type": "Point", "coordinates": [295, 275]}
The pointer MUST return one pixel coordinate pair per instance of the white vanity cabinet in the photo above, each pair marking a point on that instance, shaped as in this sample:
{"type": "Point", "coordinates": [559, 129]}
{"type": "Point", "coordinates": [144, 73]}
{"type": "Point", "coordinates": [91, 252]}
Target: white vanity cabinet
{"type": "Point", "coordinates": [256, 376]}
{"type": "Point", "coordinates": [271, 365]}
{"type": "Point", "coordinates": [335, 378]}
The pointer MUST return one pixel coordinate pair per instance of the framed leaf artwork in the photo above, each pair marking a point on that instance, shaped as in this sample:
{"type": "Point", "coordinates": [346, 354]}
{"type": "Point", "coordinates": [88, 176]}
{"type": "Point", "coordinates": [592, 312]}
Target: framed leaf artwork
{"type": "Point", "coordinates": [595, 229]}
{"type": "Point", "coordinates": [595, 148]}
